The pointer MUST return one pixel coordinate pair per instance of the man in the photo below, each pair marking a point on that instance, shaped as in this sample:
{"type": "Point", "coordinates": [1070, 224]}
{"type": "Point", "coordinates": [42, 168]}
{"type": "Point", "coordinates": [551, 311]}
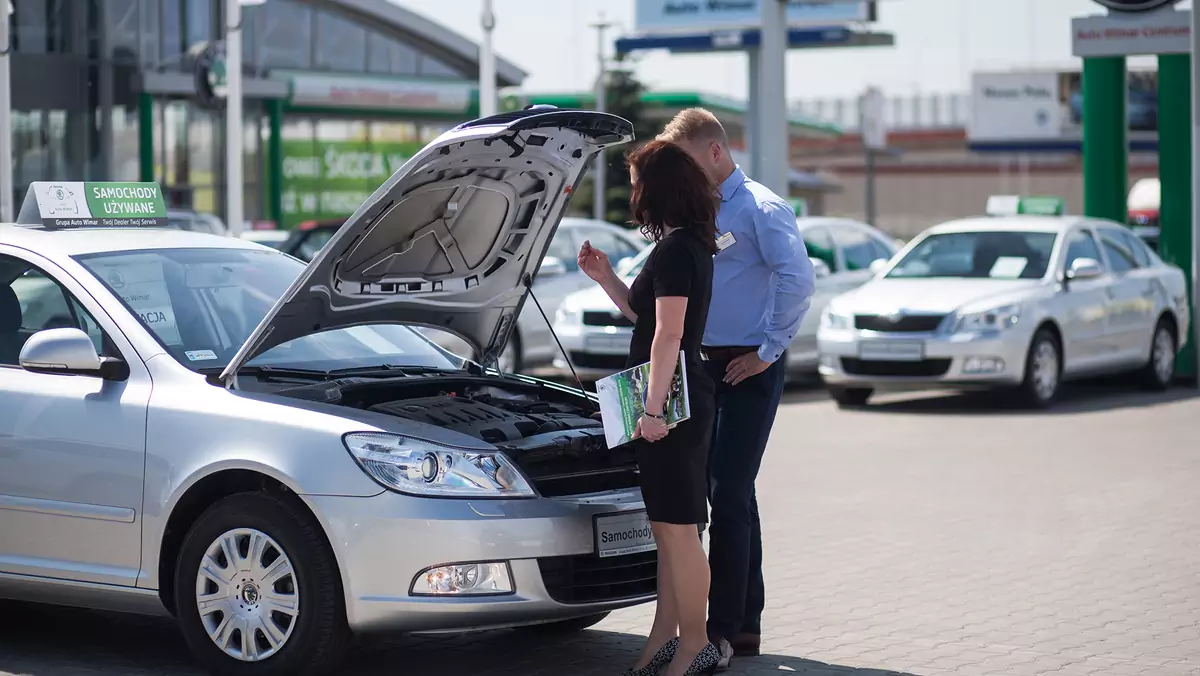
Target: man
{"type": "Point", "coordinates": [762, 283]}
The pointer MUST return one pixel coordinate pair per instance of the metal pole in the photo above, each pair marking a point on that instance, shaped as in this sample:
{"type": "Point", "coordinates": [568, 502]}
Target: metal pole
{"type": "Point", "coordinates": [487, 64]}
{"type": "Point", "coordinates": [6, 160]}
{"type": "Point", "coordinates": [869, 188]}
{"type": "Point", "coordinates": [772, 111]}
{"type": "Point", "coordinates": [600, 168]}
{"type": "Point", "coordinates": [233, 117]}
{"type": "Point", "coordinates": [754, 144]}
{"type": "Point", "coordinates": [1195, 63]}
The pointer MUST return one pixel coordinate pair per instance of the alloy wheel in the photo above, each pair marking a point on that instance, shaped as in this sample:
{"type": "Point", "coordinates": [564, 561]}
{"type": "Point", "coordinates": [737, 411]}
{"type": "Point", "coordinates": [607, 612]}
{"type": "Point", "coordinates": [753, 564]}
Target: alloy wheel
{"type": "Point", "coordinates": [1164, 354]}
{"type": "Point", "coordinates": [1045, 370]}
{"type": "Point", "coordinates": [247, 595]}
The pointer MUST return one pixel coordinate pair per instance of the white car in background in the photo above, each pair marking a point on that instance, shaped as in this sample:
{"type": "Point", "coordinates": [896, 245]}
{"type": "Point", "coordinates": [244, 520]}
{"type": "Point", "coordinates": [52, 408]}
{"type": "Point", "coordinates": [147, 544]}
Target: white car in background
{"type": "Point", "coordinates": [1018, 300]}
{"type": "Point", "coordinates": [596, 335]}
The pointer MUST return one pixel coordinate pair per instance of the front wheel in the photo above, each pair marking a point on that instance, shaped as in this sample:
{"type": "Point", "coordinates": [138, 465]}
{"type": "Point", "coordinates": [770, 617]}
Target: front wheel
{"type": "Point", "coordinates": [1160, 369]}
{"type": "Point", "coordinates": [258, 592]}
{"type": "Point", "coordinates": [1043, 371]}
{"type": "Point", "coordinates": [850, 397]}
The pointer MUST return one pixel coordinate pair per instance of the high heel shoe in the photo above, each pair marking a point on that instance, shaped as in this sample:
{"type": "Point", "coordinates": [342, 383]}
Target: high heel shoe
{"type": "Point", "coordinates": [705, 662]}
{"type": "Point", "coordinates": [661, 659]}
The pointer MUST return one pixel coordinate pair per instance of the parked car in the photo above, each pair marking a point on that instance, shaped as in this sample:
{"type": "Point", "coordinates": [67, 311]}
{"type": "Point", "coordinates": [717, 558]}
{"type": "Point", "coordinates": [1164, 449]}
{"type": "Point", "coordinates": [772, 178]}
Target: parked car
{"type": "Point", "coordinates": [268, 452]}
{"type": "Point", "coordinates": [272, 238]}
{"type": "Point", "coordinates": [196, 222]}
{"type": "Point", "coordinates": [596, 335]}
{"type": "Point", "coordinates": [306, 239]}
{"type": "Point", "coordinates": [1011, 301]}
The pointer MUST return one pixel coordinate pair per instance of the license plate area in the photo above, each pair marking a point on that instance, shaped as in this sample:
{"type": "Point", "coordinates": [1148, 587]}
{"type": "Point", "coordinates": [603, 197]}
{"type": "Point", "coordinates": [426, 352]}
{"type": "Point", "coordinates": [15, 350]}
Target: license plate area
{"type": "Point", "coordinates": [891, 350]}
{"type": "Point", "coordinates": [607, 343]}
{"type": "Point", "coordinates": [623, 534]}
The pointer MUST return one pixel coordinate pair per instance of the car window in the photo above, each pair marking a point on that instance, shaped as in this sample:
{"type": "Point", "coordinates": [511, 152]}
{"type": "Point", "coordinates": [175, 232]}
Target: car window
{"type": "Point", "coordinates": [991, 254]}
{"type": "Point", "coordinates": [563, 248]}
{"type": "Point", "coordinates": [1120, 257]}
{"type": "Point", "coordinates": [1141, 252]}
{"type": "Point", "coordinates": [857, 247]}
{"type": "Point", "coordinates": [312, 244]}
{"type": "Point", "coordinates": [819, 243]}
{"type": "Point", "coordinates": [882, 250]}
{"type": "Point", "coordinates": [1082, 245]}
{"type": "Point", "coordinates": [202, 305]}
{"type": "Point", "coordinates": [34, 302]}
{"type": "Point", "coordinates": [615, 246]}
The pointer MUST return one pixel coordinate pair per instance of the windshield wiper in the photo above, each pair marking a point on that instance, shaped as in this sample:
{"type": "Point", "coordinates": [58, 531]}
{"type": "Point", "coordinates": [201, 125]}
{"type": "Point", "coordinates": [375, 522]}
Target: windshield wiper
{"type": "Point", "coordinates": [268, 372]}
{"type": "Point", "coordinates": [387, 370]}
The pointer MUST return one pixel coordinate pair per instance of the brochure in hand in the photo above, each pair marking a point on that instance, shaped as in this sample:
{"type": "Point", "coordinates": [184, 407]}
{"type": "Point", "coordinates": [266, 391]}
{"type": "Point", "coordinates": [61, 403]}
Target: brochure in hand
{"type": "Point", "coordinates": [622, 401]}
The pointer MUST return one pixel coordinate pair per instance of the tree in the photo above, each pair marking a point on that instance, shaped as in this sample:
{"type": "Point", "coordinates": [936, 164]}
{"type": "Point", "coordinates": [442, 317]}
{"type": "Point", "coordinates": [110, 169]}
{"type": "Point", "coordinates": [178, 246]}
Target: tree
{"type": "Point", "coordinates": [623, 98]}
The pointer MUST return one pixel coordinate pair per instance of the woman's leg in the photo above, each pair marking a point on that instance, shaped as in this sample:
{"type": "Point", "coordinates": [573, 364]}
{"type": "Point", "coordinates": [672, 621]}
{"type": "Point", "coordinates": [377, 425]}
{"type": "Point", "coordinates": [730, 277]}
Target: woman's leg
{"type": "Point", "coordinates": [666, 615]}
{"type": "Point", "coordinates": [689, 575]}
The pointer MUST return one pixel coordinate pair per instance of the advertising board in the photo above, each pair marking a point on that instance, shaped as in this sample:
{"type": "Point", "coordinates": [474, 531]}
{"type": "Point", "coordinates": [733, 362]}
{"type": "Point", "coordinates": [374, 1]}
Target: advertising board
{"type": "Point", "coordinates": [1047, 107]}
{"type": "Point", "coordinates": [658, 16]}
{"type": "Point", "coordinates": [330, 179]}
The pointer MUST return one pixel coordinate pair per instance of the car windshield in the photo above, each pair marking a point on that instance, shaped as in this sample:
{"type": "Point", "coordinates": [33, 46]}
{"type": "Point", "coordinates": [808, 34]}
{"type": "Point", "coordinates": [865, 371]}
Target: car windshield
{"type": "Point", "coordinates": [988, 254]}
{"type": "Point", "coordinates": [202, 304]}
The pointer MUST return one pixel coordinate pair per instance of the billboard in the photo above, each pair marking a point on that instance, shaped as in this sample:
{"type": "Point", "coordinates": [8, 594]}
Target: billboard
{"type": "Point", "coordinates": [1047, 107]}
{"type": "Point", "coordinates": [330, 179]}
{"type": "Point", "coordinates": [658, 16]}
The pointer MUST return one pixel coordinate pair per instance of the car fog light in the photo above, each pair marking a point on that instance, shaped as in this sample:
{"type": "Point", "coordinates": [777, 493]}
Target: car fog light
{"type": "Point", "coordinates": [983, 365]}
{"type": "Point", "coordinates": [464, 579]}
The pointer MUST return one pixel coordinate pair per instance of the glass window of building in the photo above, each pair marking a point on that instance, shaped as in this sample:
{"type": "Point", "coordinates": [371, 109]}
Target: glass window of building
{"type": "Point", "coordinates": [199, 22]}
{"type": "Point", "coordinates": [150, 27]}
{"type": "Point", "coordinates": [171, 30]}
{"type": "Point", "coordinates": [285, 35]}
{"type": "Point", "coordinates": [121, 29]}
{"type": "Point", "coordinates": [341, 44]}
{"type": "Point", "coordinates": [388, 56]}
{"type": "Point", "coordinates": [431, 67]}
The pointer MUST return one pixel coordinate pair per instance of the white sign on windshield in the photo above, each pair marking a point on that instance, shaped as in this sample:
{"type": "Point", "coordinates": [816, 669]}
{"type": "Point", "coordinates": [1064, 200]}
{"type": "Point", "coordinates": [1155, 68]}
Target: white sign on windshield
{"type": "Point", "coordinates": [1008, 267]}
{"type": "Point", "coordinates": [140, 282]}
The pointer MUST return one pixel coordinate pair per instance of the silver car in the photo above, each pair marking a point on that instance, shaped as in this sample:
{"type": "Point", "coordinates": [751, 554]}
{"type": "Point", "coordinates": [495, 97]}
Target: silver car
{"type": "Point", "coordinates": [596, 335]}
{"type": "Point", "coordinates": [1022, 302]}
{"type": "Point", "coordinates": [268, 452]}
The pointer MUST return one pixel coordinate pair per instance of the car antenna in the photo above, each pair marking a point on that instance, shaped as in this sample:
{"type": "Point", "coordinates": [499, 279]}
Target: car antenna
{"type": "Point", "coordinates": [529, 286]}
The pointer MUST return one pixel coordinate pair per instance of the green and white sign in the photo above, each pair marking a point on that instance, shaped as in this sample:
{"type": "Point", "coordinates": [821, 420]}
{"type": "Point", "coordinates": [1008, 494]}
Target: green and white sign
{"type": "Point", "coordinates": [70, 204]}
{"type": "Point", "coordinates": [330, 179]}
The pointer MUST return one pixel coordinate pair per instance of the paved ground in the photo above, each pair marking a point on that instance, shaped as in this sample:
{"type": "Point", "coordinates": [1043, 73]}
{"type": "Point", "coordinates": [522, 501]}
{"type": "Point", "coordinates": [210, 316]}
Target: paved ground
{"type": "Point", "coordinates": [926, 536]}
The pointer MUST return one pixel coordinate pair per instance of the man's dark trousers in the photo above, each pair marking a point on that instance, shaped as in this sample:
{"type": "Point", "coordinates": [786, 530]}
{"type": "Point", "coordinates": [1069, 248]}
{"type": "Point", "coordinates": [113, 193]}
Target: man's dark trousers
{"type": "Point", "coordinates": [745, 413]}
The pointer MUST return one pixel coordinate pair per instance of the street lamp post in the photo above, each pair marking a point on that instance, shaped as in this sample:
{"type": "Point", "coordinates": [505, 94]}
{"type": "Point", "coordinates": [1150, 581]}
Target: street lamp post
{"type": "Point", "coordinates": [600, 168]}
{"type": "Point", "coordinates": [487, 63]}
{"type": "Point", "coordinates": [233, 117]}
{"type": "Point", "coordinates": [6, 163]}
{"type": "Point", "coordinates": [772, 98]}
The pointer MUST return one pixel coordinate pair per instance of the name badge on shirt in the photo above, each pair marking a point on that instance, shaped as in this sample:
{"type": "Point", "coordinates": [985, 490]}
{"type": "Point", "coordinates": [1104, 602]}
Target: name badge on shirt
{"type": "Point", "coordinates": [725, 241]}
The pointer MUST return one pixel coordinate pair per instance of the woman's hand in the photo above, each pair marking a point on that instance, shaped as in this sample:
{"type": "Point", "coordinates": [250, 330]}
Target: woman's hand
{"type": "Point", "coordinates": [651, 429]}
{"type": "Point", "coordinates": [594, 263]}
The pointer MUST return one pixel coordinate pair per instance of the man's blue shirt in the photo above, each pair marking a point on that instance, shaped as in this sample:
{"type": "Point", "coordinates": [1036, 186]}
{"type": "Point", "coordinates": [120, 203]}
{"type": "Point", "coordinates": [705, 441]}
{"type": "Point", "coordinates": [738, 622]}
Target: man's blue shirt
{"type": "Point", "coordinates": [763, 282]}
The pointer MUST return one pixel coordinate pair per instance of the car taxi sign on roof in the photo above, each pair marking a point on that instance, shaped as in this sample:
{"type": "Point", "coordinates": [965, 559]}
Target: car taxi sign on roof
{"type": "Point", "coordinates": [1013, 205]}
{"type": "Point", "coordinates": [67, 204]}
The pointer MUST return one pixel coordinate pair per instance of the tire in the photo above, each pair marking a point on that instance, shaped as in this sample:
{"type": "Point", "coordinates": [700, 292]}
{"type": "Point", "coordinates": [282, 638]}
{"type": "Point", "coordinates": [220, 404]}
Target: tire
{"type": "Point", "coordinates": [1043, 371]}
{"type": "Point", "coordinates": [850, 397]}
{"type": "Point", "coordinates": [512, 355]}
{"type": "Point", "coordinates": [313, 640]}
{"type": "Point", "coordinates": [571, 626]}
{"type": "Point", "coordinates": [1159, 370]}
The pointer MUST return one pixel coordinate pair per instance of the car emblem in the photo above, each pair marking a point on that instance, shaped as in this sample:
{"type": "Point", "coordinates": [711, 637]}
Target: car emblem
{"type": "Point", "coordinates": [116, 280]}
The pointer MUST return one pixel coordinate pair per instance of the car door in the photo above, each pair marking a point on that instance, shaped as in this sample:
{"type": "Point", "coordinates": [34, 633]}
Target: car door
{"type": "Point", "coordinates": [1083, 306]}
{"type": "Point", "coordinates": [1131, 309]}
{"type": "Point", "coordinates": [818, 241]}
{"type": "Point", "coordinates": [72, 448]}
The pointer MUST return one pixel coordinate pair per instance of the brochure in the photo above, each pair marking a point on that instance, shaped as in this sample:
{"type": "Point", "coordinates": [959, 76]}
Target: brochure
{"type": "Point", "coordinates": [622, 401]}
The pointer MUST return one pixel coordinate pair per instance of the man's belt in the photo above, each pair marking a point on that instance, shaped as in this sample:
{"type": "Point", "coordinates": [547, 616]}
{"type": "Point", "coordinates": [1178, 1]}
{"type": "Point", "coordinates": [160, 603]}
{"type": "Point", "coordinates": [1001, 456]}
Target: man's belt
{"type": "Point", "coordinates": [725, 353]}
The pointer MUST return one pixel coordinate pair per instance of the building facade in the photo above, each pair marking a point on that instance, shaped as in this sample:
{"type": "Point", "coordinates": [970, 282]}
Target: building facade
{"type": "Point", "coordinates": [337, 93]}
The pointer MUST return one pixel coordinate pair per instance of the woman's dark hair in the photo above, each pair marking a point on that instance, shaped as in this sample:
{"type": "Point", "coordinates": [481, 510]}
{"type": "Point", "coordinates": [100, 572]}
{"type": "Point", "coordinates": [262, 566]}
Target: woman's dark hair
{"type": "Point", "coordinates": [671, 190]}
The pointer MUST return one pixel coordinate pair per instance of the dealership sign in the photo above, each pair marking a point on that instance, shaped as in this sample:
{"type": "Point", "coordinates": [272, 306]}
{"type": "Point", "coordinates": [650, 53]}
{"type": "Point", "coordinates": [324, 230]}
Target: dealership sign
{"type": "Point", "coordinates": [654, 16]}
{"type": "Point", "coordinates": [396, 95]}
{"type": "Point", "coordinates": [1162, 32]}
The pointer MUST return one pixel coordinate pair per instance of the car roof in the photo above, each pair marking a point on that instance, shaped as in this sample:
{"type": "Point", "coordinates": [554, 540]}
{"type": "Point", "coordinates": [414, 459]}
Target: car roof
{"type": "Point", "coordinates": [82, 241]}
{"type": "Point", "coordinates": [1049, 224]}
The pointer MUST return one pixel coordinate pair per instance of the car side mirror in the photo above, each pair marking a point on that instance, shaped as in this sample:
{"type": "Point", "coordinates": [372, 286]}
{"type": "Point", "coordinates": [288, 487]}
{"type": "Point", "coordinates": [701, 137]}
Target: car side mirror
{"type": "Point", "coordinates": [820, 268]}
{"type": "Point", "coordinates": [69, 352]}
{"type": "Point", "coordinates": [878, 265]}
{"type": "Point", "coordinates": [1084, 268]}
{"type": "Point", "coordinates": [551, 267]}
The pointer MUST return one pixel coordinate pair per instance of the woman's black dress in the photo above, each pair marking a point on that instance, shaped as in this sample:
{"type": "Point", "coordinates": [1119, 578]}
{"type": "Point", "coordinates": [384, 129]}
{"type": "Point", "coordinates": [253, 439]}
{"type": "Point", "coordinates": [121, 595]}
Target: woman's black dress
{"type": "Point", "coordinates": [674, 470]}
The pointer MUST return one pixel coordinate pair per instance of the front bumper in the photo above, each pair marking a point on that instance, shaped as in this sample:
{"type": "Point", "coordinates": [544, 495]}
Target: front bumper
{"type": "Point", "coordinates": [382, 543]}
{"type": "Point", "coordinates": [961, 361]}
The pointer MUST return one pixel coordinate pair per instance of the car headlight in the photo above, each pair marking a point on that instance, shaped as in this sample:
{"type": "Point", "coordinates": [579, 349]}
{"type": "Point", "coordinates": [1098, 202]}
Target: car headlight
{"type": "Point", "coordinates": [424, 468]}
{"type": "Point", "coordinates": [835, 320]}
{"type": "Point", "coordinates": [996, 319]}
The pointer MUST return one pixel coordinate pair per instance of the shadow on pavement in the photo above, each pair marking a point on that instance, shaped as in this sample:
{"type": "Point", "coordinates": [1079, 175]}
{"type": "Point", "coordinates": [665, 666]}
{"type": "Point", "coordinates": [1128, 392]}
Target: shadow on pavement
{"type": "Point", "coordinates": [51, 641]}
{"type": "Point", "coordinates": [1080, 397]}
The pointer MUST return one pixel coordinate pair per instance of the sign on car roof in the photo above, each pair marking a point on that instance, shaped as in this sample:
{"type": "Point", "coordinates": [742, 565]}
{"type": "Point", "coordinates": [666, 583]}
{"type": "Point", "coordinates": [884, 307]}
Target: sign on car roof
{"type": "Point", "coordinates": [67, 204]}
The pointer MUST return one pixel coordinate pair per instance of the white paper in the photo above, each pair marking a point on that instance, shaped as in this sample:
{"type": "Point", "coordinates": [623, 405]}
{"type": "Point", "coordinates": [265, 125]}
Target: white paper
{"type": "Point", "coordinates": [1008, 267]}
{"type": "Point", "coordinates": [140, 282]}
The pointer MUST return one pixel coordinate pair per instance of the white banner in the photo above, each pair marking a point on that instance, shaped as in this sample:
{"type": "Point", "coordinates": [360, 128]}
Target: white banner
{"type": "Point", "coordinates": [1025, 106]}
{"type": "Point", "coordinates": [706, 15]}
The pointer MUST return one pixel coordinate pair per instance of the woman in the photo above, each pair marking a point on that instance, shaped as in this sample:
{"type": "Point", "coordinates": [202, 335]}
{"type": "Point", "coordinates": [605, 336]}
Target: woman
{"type": "Point", "coordinates": [676, 206]}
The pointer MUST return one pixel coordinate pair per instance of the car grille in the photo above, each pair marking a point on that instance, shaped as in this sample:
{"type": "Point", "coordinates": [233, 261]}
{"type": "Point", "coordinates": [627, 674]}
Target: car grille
{"type": "Point", "coordinates": [595, 318]}
{"type": "Point", "coordinates": [587, 578]}
{"type": "Point", "coordinates": [871, 367]}
{"type": "Point", "coordinates": [577, 465]}
{"type": "Point", "coordinates": [901, 324]}
{"type": "Point", "coordinates": [587, 360]}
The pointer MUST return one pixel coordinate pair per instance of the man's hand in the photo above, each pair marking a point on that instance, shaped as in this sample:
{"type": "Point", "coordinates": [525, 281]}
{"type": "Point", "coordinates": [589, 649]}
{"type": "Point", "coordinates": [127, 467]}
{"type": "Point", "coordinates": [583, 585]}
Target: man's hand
{"type": "Point", "coordinates": [743, 367]}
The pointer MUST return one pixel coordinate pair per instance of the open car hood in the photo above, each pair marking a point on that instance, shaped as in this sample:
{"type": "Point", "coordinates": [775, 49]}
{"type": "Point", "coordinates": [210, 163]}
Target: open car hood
{"type": "Point", "coordinates": [452, 239]}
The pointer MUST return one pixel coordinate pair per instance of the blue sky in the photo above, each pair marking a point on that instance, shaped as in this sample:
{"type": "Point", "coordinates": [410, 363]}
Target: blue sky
{"type": "Point", "coordinates": [938, 44]}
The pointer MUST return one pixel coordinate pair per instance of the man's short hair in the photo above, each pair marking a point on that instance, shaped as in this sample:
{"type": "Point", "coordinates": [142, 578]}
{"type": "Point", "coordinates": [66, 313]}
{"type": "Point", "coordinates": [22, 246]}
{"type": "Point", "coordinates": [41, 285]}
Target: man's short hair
{"type": "Point", "coordinates": [694, 124]}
